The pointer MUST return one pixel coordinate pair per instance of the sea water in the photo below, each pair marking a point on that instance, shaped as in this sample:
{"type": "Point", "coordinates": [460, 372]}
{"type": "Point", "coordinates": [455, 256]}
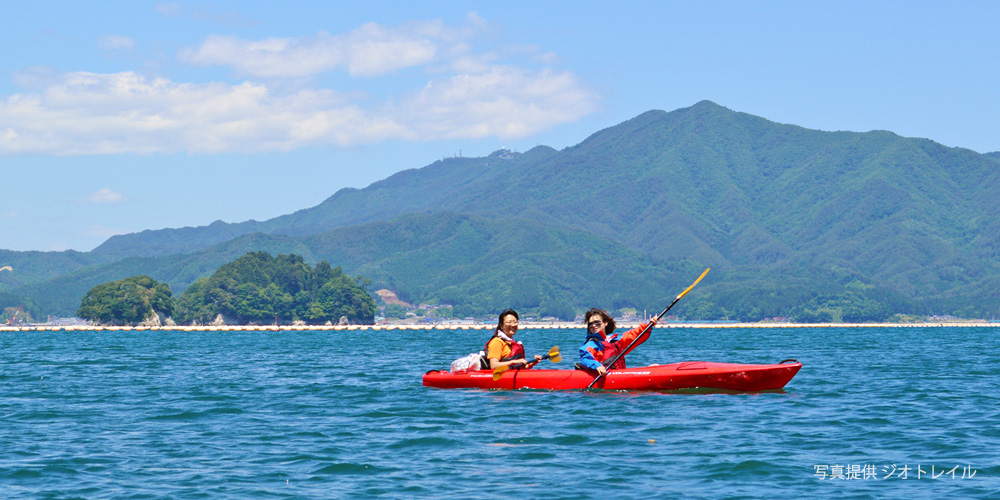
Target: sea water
{"type": "Point", "coordinates": [874, 413]}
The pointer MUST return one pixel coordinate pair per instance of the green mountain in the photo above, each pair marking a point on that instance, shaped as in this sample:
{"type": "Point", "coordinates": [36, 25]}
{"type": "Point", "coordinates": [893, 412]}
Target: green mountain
{"type": "Point", "coordinates": [778, 211]}
{"type": "Point", "coordinates": [33, 267]}
{"type": "Point", "coordinates": [413, 190]}
{"type": "Point", "coordinates": [61, 296]}
{"type": "Point", "coordinates": [441, 257]}
{"type": "Point", "coordinates": [480, 264]}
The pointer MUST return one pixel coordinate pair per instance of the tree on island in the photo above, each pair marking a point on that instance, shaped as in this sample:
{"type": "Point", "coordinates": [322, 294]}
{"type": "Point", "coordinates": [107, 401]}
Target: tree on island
{"type": "Point", "coordinates": [128, 301]}
{"type": "Point", "coordinates": [258, 288]}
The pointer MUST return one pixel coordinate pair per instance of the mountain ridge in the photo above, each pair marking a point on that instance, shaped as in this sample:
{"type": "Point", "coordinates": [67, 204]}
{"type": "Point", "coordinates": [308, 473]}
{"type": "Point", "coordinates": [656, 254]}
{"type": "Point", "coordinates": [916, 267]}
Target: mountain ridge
{"type": "Point", "coordinates": [704, 185]}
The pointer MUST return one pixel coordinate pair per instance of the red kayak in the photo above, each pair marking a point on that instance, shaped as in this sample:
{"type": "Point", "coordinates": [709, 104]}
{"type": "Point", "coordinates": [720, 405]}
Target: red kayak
{"type": "Point", "coordinates": [686, 375]}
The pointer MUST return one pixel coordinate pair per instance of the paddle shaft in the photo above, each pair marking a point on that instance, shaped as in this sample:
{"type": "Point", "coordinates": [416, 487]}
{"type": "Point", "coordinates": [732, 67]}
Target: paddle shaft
{"type": "Point", "coordinates": [522, 365]}
{"type": "Point", "coordinates": [552, 354]}
{"type": "Point", "coordinates": [645, 330]}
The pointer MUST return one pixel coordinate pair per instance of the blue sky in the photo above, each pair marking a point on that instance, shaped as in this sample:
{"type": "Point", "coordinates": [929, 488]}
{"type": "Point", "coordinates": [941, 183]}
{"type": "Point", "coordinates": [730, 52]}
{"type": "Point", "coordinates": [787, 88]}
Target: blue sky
{"type": "Point", "coordinates": [117, 117]}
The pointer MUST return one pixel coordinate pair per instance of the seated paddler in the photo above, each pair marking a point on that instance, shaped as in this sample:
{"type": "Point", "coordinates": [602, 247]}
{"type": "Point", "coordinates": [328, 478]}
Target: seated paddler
{"type": "Point", "coordinates": [502, 349]}
{"type": "Point", "coordinates": [601, 346]}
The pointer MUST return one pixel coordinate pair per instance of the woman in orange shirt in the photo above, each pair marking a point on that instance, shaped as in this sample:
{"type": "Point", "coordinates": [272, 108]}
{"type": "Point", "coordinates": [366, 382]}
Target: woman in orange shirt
{"type": "Point", "coordinates": [502, 349]}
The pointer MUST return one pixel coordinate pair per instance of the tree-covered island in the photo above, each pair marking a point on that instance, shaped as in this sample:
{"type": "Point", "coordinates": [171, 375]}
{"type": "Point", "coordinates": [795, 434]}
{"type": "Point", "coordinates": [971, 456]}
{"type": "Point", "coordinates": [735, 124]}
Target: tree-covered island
{"type": "Point", "coordinates": [128, 301]}
{"type": "Point", "coordinates": [257, 288]}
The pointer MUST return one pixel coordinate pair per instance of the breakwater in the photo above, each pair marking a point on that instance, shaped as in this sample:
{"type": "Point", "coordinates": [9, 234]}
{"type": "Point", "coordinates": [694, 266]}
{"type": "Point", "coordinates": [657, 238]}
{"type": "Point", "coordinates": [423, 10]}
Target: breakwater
{"type": "Point", "coordinates": [452, 326]}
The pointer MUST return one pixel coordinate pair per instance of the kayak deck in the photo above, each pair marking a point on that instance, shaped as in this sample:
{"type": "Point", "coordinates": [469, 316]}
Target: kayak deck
{"type": "Point", "coordinates": [676, 376]}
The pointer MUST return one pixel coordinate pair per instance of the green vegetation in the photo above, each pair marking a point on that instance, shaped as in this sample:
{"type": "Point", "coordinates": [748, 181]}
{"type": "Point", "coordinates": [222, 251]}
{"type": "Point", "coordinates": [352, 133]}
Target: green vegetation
{"type": "Point", "coordinates": [128, 301]}
{"type": "Point", "coordinates": [818, 296]}
{"type": "Point", "coordinates": [258, 288]}
{"type": "Point", "coordinates": [253, 289]}
{"type": "Point", "coordinates": [480, 266]}
{"type": "Point", "coordinates": [26, 268]}
{"type": "Point", "coordinates": [794, 223]}
{"type": "Point", "coordinates": [395, 311]}
{"type": "Point", "coordinates": [11, 305]}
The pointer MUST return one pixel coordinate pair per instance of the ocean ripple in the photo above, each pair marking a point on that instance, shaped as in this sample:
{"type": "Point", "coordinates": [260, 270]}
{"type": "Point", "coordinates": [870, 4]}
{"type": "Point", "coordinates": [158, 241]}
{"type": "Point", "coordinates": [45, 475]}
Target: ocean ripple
{"type": "Point", "coordinates": [343, 415]}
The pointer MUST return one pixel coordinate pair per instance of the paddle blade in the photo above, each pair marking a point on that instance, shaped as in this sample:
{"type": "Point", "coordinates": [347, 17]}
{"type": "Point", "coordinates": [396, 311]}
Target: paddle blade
{"type": "Point", "coordinates": [557, 358]}
{"type": "Point", "coordinates": [499, 371]}
{"type": "Point", "coordinates": [693, 284]}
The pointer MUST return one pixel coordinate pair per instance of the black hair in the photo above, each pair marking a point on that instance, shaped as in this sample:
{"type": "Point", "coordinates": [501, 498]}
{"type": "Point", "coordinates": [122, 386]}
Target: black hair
{"type": "Point", "coordinates": [609, 322]}
{"type": "Point", "coordinates": [505, 313]}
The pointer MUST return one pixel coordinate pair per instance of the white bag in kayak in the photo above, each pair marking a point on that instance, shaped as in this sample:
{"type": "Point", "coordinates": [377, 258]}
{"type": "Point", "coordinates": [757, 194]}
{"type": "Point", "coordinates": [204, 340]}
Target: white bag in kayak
{"type": "Point", "coordinates": [473, 361]}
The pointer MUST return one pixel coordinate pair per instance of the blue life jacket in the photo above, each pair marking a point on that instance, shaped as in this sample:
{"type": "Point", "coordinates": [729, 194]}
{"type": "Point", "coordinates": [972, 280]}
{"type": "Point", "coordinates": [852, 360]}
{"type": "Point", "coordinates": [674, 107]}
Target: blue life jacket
{"type": "Point", "coordinates": [610, 348]}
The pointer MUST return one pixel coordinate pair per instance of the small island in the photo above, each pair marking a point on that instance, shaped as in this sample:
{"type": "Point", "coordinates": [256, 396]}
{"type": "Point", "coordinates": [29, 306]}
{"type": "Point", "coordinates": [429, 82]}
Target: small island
{"type": "Point", "coordinates": [256, 289]}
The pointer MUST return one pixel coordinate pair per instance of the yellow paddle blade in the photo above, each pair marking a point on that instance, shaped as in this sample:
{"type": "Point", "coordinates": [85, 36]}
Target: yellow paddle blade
{"type": "Point", "coordinates": [554, 354]}
{"type": "Point", "coordinates": [693, 284]}
{"type": "Point", "coordinates": [499, 371]}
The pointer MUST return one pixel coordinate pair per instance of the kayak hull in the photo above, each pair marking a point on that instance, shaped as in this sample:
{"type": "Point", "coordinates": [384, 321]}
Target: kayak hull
{"type": "Point", "coordinates": [676, 376]}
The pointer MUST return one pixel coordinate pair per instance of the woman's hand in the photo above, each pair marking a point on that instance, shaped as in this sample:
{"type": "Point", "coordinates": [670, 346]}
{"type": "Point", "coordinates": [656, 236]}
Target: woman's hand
{"type": "Point", "coordinates": [601, 370]}
{"type": "Point", "coordinates": [538, 358]}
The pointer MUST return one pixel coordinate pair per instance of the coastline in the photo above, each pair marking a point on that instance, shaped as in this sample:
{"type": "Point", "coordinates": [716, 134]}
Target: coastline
{"type": "Point", "coordinates": [454, 326]}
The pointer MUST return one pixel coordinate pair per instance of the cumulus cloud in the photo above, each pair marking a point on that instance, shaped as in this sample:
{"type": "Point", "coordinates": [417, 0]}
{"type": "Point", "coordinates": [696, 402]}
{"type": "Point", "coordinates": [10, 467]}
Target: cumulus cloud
{"type": "Point", "coordinates": [106, 196]}
{"type": "Point", "coordinates": [503, 102]}
{"type": "Point", "coordinates": [463, 94]}
{"type": "Point", "coordinates": [89, 113]}
{"type": "Point", "coordinates": [371, 50]}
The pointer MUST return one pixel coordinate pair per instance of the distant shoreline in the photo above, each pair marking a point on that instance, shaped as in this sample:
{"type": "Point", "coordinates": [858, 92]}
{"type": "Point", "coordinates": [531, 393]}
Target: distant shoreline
{"type": "Point", "coordinates": [454, 326]}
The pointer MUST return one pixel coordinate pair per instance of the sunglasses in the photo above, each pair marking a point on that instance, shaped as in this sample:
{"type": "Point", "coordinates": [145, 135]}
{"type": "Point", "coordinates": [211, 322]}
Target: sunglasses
{"type": "Point", "coordinates": [596, 322]}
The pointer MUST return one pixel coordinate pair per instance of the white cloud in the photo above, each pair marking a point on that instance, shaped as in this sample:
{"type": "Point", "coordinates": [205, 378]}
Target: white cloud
{"type": "Point", "coordinates": [469, 95]}
{"type": "Point", "coordinates": [87, 113]}
{"type": "Point", "coordinates": [90, 113]}
{"type": "Point", "coordinates": [106, 196]}
{"type": "Point", "coordinates": [371, 50]}
{"type": "Point", "coordinates": [504, 102]}
{"type": "Point", "coordinates": [115, 42]}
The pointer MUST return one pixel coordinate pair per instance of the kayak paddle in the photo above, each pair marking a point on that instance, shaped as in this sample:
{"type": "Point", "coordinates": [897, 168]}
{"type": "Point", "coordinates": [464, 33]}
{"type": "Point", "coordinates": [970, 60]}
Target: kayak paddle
{"type": "Point", "coordinates": [553, 355]}
{"type": "Point", "coordinates": [646, 330]}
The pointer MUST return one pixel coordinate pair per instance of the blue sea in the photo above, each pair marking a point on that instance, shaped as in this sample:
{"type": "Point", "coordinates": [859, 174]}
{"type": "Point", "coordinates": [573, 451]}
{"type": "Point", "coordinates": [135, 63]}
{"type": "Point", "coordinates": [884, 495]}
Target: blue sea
{"type": "Point", "coordinates": [874, 413]}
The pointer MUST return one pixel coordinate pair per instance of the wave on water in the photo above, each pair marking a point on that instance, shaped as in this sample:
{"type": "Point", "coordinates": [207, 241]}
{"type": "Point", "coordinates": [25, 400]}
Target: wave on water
{"type": "Point", "coordinates": [335, 414]}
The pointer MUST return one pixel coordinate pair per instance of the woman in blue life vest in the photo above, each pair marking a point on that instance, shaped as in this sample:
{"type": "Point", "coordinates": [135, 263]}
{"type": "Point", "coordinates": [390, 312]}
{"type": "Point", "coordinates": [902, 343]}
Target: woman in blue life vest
{"type": "Point", "coordinates": [502, 349]}
{"type": "Point", "coordinates": [600, 346]}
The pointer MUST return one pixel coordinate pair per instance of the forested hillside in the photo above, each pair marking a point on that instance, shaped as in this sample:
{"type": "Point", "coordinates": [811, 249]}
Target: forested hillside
{"type": "Point", "coordinates": [792, 221]}
{"type": "Point", "coordinates": [259, 288]}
